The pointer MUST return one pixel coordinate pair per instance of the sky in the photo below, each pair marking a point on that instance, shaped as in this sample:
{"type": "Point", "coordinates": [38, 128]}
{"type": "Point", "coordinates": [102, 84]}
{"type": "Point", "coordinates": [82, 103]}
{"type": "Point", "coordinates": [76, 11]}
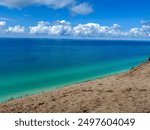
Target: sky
{"type": "Point", "coordinates": [75, 18]}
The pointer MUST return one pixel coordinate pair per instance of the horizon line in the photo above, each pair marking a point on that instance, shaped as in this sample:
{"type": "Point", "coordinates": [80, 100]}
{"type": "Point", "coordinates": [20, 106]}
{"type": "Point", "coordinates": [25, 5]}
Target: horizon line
{"type": "Point", "coordinates": [76, 38]}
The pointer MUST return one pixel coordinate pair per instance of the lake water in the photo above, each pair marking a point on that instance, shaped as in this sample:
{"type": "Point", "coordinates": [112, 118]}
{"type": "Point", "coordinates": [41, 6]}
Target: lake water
{"type": "Point", "coordinates": [30, 66]}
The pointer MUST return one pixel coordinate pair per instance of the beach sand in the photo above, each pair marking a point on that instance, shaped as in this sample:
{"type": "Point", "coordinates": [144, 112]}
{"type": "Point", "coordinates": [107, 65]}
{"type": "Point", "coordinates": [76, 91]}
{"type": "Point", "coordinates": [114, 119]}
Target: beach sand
{"type": "Point", "coordinates": [126, 92]}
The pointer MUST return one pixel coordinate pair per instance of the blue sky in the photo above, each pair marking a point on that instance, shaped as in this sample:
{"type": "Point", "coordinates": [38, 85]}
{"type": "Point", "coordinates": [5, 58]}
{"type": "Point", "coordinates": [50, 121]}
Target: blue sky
{"type": "Point", "coordinates": [128, 14]}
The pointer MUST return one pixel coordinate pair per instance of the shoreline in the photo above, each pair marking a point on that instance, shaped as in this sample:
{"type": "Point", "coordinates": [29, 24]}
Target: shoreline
{"type": "Point", "coordinates": [97, 95]}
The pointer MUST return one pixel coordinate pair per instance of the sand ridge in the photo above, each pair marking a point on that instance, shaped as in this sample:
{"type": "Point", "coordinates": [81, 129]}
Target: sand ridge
{"type": "Point", "coordinates": [126, 92]}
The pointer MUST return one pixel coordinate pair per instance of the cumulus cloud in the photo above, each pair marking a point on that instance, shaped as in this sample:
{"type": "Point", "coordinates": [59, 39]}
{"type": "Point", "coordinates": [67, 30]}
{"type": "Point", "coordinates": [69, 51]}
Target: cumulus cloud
{"type": "Point", "coordinates": [82, 9]}
{"type": "Point", "coordinates": [78, 8]}
{"type": "Point", "coordinates": [143, 31]}
{"type": "Point", "coordinates": [41, 28]}
{"type": "Point", "coordinates": [64, 28]}
{"type": "Point", "coordinates": [58, 28]}
{"type": "Point", "coordinates": [16, 29]}
{"type": "Point", "coordinates": [96, 30]}
{"type": "Point", "coordinates": [2, 23]}
{"type": "Point", "coordinates": [88, 29]}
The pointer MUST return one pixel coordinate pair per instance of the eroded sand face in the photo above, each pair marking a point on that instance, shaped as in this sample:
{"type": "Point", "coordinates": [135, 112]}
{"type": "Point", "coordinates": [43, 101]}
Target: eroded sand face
{"type": "Point", "coordinates": [128, 92]}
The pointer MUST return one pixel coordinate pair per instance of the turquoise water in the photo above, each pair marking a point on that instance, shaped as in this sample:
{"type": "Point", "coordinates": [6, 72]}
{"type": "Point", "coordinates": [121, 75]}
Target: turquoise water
{"type": "Point", "coordinates": [29, 66]}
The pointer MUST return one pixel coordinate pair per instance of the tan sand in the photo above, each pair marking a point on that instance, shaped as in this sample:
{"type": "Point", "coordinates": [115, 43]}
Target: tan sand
{"type": "Point", "coordinates": [127, 92]}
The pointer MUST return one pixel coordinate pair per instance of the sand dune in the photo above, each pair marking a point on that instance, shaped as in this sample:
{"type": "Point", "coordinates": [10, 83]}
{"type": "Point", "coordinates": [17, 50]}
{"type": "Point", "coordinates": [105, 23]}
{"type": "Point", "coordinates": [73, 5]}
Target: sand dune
{"type": "Point", "coordinates": [127, 92]}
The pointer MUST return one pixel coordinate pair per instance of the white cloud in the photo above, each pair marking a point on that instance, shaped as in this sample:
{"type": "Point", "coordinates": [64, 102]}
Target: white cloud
{"type": "Point", "coordinates": [82, 9]}
{"type": "Point", "coordinates": [2, 23]}
{"type": "Point", "coordinates": [64, 28]}
{"type": "Point", "coordinates": [41, 28]}
{"type": "Point", "coordinates": [96, 30]}
{"type": "Point", "coordinates": [86, 29]}
{"type": "Point", "coordinates": [22, 3]}
{"type": "Point", "coordinates": [143, 31]}
{"type": "Point", "coordinates": [136, 32]}
{"type": "Point", "coordinates": [16, 29]}
{"type": "Point", "coordinates": [58, 28]}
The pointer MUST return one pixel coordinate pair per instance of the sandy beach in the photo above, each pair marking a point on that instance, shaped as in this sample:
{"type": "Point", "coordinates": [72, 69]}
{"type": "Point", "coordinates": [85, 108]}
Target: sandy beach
{"type": "Point", "coordinates": [126, 92]}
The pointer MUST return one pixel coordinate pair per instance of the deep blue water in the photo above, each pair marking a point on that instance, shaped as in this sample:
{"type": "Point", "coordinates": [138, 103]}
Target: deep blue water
{"type": "Point", "coordinates": [29, 66]}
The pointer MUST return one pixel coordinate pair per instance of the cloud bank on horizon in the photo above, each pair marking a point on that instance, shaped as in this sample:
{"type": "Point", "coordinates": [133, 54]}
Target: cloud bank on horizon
{"type": "Point", "coordinates": [63, 28]}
